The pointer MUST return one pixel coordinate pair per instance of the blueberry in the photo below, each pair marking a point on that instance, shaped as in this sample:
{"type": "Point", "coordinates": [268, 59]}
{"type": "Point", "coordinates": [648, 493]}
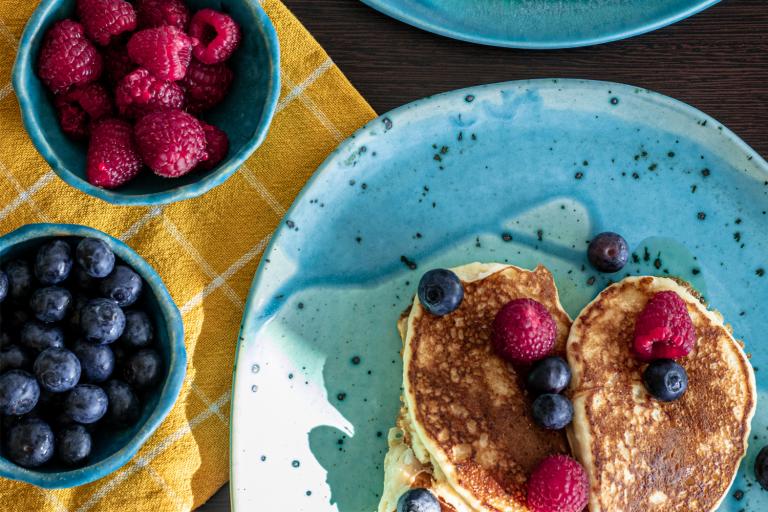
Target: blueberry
{"type": "Point", "coordinates": [440, 291]}
{"type": "Point", "coordinates": [123, 285]}
{"type": "Point", "coordinates": [97, 361]}
{"type": "Point", "coordinates": [13, 357]}
{"type": "Point", "coordinates": [19, 392]}
{"type": "Point", "coordinates": [138, 329]}
{"type": "Point", "coordinates": [3, 285]}
{"type": "Point", "coordinates": [549, 375]}
{"type": "Point", "coordinates": [608, 252]}
{"type": "Point", "coordinates": [16, 318]}
{"type": "Point", "coordinates": [95, 257]}
{"type": "Point", "coordinates": [57, 369]}
{"type": "Point", "coordinates": [53, 262]}
{"type": "Point", "coordinates": [418, 500]}
{"type": "Point", "coordinates": [552, 412]}
{"type": "Point", "coordinates": [50, 304]}
{"type": "Point", "coordinates": [74, 316]}
{"type": "Point", "coordinates": [38, 337]}
{"type": "Point", "coordinates": [761, 468]}
{"type": "Point", "coordinates": [665, 380]}
{"type": "Point", "coordinates": [142, 369]}
{"type": "Point", "coordinates": [19, 280]}
{"type": "Point", "coordinates": [86, 403]}
{"type": "Point", "coordinates": [73, 445]}
{"type": "Point", "coordinates": [124, 408]}
{"type": "Point", "coordinates": [30, 443]}
{"type": "Point", "coordinates": [101, 321]}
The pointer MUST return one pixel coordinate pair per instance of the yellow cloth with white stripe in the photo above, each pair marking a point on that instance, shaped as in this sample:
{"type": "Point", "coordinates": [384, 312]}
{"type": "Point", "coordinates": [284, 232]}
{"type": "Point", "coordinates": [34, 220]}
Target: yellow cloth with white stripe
{"type": "Point", "coordinates": [206, 250]}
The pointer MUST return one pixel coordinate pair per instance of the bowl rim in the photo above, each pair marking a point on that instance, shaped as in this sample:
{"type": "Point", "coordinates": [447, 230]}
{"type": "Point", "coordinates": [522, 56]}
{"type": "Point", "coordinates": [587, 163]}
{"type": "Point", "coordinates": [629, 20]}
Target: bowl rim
{"type": "Point", "coordinates": [24, 64]}
{"type": "Point", "coordinates": [173, 381]}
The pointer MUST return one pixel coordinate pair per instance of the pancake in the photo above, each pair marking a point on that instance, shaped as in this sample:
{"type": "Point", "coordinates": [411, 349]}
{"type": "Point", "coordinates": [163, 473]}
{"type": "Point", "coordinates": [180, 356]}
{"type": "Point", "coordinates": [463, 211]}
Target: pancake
{"type": "Point", "coordinates": [642, 454]}
{"type": "Point", "coordinates": [466, 430]}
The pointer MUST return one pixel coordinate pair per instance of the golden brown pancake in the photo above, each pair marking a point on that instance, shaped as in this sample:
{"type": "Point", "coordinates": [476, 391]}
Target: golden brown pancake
{"type": "Point", "coordinates": [642, 454]}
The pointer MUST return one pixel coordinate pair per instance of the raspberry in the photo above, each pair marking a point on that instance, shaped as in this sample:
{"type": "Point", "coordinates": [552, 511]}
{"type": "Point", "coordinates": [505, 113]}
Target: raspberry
{"type": "Point", "coordinates": [218, 34]}
{"type": "Point", "coordinates": [81, 105]}
{"type": "Point", "coordinates": [558, 483]}
{"type": "Point", "coordinates": [164, 51]}
{"type": "Point", "coordinates": [664, 329]}
{"type": "Point", "coordinates": [140, 93]}
{"type": "Point", "coordinates": [156, 13]}
{"type": "Point", "coordinates": [104, 19]}
{"type": "Point", "coordinates": [112, 156]}
{"type": "Point", "coordinates": [523, 331]}
{"type": "Point", "coordinates": [216, 145]}
{"type": "Point", "coordinates": [67, 58]}
{"type": "Point", "coordinates": [206, 85]}
{"type": "Point", "coordinates": [171, 142]}
{"type": "Point", "coordinates": [117, 63]}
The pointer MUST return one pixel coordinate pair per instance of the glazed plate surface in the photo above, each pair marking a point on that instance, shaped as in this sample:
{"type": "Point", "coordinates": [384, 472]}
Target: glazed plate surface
{"type": "Point", "coordinates": [519, 172]}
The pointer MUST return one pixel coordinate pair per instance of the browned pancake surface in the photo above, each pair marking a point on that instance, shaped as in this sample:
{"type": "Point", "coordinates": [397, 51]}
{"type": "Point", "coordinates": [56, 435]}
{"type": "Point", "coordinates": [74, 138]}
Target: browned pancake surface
{"type": "Point", "coordinates": [471, 404]}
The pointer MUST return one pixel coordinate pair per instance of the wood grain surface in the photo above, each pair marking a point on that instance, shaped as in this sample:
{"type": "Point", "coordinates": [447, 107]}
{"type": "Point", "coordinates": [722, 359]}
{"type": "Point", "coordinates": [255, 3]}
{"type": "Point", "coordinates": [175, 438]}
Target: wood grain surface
{"type": "Point", "coordinates": [716, 61]}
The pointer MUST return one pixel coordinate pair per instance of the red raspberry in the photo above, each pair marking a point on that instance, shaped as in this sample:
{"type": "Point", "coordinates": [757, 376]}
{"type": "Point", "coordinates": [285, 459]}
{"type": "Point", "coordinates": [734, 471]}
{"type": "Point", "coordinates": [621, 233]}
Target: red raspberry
{"type": "Point", "coordinates": [117, 63]}
{"type": "Point", "coordinates": [558, 483]}
{"type": "Point", "coordinates": [67, 58]}
{"type": "Point", "coordinates": [218, 34]}
{"type": "Point", "coordinates": [78, 107]}
{"type": "Point", "coordinates": [523, 331]}
{"type": "Point", "coordinates": [112, 156]}
{"type": "Point", "coordinates": [156, 13]}
{"type": "Point", "coordinates": [104, 19]}
{"type": "Point", "coordinates": [164, 51]}
{"type": "Point", "coordinates": [664, 329]}
{"type": "Point", "coordinates": [216, 145]}
{"type": "Point", "coordinates": [140, 93]}
{"type": "Point", "coordinates": [171, 142]}
{"type": "Point", "coordinates": [206, 85]}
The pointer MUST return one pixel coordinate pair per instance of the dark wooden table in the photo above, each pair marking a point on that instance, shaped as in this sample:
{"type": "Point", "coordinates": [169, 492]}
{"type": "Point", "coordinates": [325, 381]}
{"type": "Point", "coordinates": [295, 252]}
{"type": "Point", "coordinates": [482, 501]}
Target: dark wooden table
{"type": "Point", "coordinates": [716, 61]}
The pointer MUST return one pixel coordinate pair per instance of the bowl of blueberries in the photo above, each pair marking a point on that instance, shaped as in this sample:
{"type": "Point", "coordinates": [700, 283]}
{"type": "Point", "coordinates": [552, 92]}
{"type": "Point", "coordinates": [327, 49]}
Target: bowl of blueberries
{"type": "Point", "coordinates": [92, 355]}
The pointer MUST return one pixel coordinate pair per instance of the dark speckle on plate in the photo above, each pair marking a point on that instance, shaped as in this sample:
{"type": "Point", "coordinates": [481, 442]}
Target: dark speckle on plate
{"type": "Point", "coordinates": [701, 215]}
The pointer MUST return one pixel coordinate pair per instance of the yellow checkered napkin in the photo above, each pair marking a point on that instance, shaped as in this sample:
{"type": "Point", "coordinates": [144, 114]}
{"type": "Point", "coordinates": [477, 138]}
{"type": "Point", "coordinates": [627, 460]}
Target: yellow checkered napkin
{"type": "Point", "coordinates": [206, 250]}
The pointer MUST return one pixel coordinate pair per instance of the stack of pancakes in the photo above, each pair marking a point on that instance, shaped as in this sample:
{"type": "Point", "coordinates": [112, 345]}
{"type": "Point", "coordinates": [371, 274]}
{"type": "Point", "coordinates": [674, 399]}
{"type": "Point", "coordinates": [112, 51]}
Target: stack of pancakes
{"type": "Point", "coordinates": [465, 430]}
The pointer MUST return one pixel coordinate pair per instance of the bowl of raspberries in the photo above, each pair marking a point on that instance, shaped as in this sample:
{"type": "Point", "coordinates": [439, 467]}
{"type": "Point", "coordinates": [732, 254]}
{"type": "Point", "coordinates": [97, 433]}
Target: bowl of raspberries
{"type": "Point", "coordinates": [92, 354]}
{"type": "Point", "coordinates": [147, 102]}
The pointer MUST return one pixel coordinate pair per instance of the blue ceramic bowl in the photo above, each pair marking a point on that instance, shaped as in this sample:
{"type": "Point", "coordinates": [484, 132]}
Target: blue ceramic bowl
{"type": "Point", "coordinates": [113, 451]}
{"type": "Point", "coordinates": [244, 115]}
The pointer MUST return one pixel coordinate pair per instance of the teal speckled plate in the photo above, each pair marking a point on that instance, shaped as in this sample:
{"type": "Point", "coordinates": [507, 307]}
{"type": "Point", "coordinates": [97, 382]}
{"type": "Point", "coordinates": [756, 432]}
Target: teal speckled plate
{"type": "Point", "coordinates": [520, 172]}
{"type": "Point", "coordinates": [540, 24]}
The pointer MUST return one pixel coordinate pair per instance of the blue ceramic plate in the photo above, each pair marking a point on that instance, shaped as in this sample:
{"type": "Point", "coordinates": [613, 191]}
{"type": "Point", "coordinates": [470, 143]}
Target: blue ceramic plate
{"type": "Point", "coordinates": [540, 24]}
{"type": "Point", "coordinates": [520, 172]}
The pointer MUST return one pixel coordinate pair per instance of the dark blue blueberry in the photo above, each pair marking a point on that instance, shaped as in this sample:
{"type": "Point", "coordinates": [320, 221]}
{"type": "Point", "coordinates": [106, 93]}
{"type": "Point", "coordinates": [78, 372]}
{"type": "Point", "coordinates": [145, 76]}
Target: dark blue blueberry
{"type": "Point", "coordinates": [101, 321]}
{"type": "Point", "coordinates": [138, 329]}
{"type": "Point", "coordinates": [30, 443]}
{"type": "Point", "coordinates": [19, 392]}
{"type": "Point", "coordinates": [3, 285]}
{"type": "Point", "coordinates": [123, 285]}
{"type": "Point", "coordinates": [50, 304]}
{"type": "Point", "coordinates": [74, 316]}
{"type": "Point", "coordinates": [53, 262]}
{"type": "Point", "coordinates": [95, 257]}
{"type": "Point", "coordinates": [38, 337]}
{"type": "Point", "coordinates": [124, 408]}
{"type": "Point", "coordinates": [19, 280]}
{"type": "Point", "coordinates": [553, 412]}
{"type": "Point", "coordinates": [97, 361]}
{"type": "Point", "coordinates": [73, 445]}
{"type": "Point", "coordinates": [86, 403]}
{"type": "Point", "coordinates": [13, 357]}
{"type": "Point", "coordinates": [665, 380]}
{"type": "Point", "coordinates": [761, 468]}
{"type": "Point", "coordinates": [418, 500]}
{"type": "Point", "coordinates": [608, 252]}
{"type": "Point", "coordinates": [440, 291]}
{"type": "Point", "coordinates": [549, 375]}
{"type": "Point", "coordinates": [143, 369]}
{"type": "Point", "coordinates": [57, 369]}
